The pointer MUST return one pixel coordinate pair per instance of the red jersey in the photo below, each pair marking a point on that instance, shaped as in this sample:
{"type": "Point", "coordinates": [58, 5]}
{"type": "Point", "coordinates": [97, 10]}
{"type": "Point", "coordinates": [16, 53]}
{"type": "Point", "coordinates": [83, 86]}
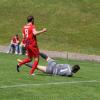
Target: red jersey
{"type": "Point", "coordinates": [23, 41]}
{"type": "Point", "coordinates": [28, 33]}
{"type": "Point", "coordinates": [15, 39]}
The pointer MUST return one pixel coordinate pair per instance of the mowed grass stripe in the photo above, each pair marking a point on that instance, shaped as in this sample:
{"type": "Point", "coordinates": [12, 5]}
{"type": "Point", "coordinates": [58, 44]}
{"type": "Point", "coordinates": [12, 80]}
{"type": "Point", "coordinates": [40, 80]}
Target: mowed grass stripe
{"type": "Point", "coordinates": [45, 84]}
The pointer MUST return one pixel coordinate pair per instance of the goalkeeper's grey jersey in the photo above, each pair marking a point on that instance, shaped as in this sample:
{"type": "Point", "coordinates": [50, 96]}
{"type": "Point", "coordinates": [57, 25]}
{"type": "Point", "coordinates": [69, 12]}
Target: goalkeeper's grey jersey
{"type": "Point", "coordinates": [58, 69]}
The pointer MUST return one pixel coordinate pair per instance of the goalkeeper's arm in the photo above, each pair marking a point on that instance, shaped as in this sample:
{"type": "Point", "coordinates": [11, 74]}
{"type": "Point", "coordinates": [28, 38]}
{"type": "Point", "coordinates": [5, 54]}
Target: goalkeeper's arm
{"type": "Point", "coordinates": [44, 56]}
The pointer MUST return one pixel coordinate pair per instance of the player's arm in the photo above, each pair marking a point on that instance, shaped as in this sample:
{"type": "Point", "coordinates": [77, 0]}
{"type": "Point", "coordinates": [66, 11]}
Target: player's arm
{"type": "Point", "coordinates": [44, 56]}
{"type": "Point", "coordinates": [35, 32]}
{"type": "Point", "coordinates": [23, 36]}
{"type": "Point", "coordinates": [17, 41]}
{"type": "Point", "coordinates": [11, 42]}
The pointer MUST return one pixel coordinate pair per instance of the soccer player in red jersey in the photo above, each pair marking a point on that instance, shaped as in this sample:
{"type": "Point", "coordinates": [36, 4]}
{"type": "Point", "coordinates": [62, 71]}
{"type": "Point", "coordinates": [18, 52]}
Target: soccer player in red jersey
{"type": "Point", "coordinates": [29, 33]}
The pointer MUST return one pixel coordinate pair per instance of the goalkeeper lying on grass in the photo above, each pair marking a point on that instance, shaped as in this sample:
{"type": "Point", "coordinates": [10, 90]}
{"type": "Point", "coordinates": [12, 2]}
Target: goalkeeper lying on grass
{"type": "Point", "coordinates": [55, 69]}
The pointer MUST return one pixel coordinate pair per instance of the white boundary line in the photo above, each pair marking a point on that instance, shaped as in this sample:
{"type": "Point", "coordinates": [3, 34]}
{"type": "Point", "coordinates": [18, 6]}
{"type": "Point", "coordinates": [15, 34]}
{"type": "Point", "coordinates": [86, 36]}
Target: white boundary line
{"type": "Point", "coordinates": [44, 84]}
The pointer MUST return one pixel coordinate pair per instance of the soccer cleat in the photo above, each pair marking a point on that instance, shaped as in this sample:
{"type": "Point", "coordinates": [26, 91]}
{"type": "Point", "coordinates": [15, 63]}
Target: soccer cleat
{"type": "Point", "coordinates": [75, 68]}
{"type": "Point", "coordinates": [33, 74]}
{"type": "Point", "coordinates": [18, 68]}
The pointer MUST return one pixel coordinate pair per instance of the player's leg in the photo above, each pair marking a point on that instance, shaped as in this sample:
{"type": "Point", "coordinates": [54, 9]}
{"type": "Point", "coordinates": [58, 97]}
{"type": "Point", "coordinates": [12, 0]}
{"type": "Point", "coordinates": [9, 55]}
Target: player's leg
{"type": "Point", "coordinates": [27, 64]}
{"type": "Point", "coordinates": [20, 48]}
{"type": "Point", "coordinates": [16, 49]}
{"type": "Point", "coordinates": [41, 68]}
{"type": "Point", "coordinates": [44, 56]}
{"type": "Point", "coordinates": [13, 48]}
{"type": "Point", "coordinates": [34, 65]}
{"type": "Point", "coordinates": [35, 54]}
{"type": "Point", "coordinates": [47, 58]}
{"type": "Point", "coordinates": [26, 60]}
{"type": "Point", "coordinates": [9, 49]}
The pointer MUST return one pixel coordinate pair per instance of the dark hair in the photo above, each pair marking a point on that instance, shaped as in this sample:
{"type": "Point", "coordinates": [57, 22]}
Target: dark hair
{"type": "Point", "coordinates": [16, 35]}
{"type": "Point", "coordinates": [75, 68]}
{"type": "Point", "coordinates": [30, 19]}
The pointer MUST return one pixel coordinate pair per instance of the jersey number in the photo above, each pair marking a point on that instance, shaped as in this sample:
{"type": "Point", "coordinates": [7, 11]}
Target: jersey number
{"type": "Point", "coordinates": [26, 33]}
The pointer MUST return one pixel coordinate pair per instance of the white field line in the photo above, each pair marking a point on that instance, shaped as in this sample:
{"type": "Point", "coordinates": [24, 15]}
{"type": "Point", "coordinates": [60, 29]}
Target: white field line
{"type": "Point", "coordinates": [44, 84]}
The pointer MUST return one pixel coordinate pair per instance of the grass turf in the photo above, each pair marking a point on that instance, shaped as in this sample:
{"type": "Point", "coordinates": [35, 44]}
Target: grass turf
{"type": "Point", "coordinates": [78, 91]}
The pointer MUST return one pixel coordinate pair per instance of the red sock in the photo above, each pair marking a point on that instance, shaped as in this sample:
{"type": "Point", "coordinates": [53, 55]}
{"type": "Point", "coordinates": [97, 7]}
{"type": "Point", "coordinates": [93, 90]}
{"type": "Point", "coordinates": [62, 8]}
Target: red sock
{"type": "Point", "coordinates": [24, 61]}
{"type": "Point", "coordinates": [34, 66]}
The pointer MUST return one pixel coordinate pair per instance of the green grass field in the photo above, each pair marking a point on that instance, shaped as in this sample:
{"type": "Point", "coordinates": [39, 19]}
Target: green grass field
{"type": "Point", "coordinates": [73, 25]}
{"type": "Point", "coordinates": [22, 86]}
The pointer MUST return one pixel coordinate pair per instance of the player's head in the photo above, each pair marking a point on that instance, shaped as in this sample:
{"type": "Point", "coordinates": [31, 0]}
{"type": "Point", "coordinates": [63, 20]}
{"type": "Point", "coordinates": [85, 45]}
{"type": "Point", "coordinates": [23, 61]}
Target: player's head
{"type": "Point", "coordinates": [75, 68]}
{"type": "Point", "coordinates": [30, 19]}
{"type": "Point", "coordinates": [16, 35]}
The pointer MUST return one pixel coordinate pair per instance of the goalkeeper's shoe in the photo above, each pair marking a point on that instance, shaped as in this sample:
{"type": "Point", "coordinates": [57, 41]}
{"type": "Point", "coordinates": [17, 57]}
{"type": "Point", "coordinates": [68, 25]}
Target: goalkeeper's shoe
{"type": "Point", "coordinates": [18, 68]}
